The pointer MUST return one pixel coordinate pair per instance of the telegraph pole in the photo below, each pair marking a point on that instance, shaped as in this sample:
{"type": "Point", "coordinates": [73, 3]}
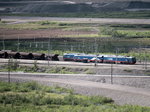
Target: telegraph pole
{"type": "Point", "coordinates": [117, 51]}
{"type": "Point", "coordinates": [83, 46]}
{"type": "Point", "coordinates": [96, 52]}
{"type": "Point", "coordinates": [48, 50]}
{"type": "Point", "coordinates": [9, 67]}
{"type": "Point", "coordinates": [3, 43]}
{"type": "Point", "coordinates": [145, 60]}
{"type": "Point", "coordinates": [18, 44]}
{"type": "Point", "coordinates": [111, 74]}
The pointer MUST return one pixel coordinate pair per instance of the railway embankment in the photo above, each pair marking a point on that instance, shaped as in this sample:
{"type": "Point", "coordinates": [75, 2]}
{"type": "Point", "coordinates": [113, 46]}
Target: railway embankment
{"type": "Point", "coordinates": [126, 80]}
{"type": "Point", "coordinates": [121, 94]}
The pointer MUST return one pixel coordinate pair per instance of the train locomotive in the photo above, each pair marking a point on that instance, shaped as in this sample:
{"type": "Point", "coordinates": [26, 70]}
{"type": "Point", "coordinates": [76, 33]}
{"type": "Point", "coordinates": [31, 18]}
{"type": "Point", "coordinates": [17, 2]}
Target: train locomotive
{"type": "Point", "coordinates": [99, 58]}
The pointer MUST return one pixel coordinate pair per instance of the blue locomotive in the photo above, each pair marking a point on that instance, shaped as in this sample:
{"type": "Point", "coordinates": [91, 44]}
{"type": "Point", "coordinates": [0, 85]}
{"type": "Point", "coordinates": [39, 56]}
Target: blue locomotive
{"type": "Point", "coordinates": [99, 58]}
{"type": "Point", "coordinates": [70, 56]}
{"type": "Point", "coordinates": [118, 59]}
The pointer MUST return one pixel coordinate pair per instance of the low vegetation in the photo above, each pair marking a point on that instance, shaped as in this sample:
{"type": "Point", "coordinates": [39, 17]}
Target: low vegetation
{"type": "Point", "coordinates": [34, 25]}
{"type": "Point", "coordinates": [112, 32]}
{"type": "Point", "coordinates": [13, 66]}
{"type": "Point", "coordinates": [33, 97]}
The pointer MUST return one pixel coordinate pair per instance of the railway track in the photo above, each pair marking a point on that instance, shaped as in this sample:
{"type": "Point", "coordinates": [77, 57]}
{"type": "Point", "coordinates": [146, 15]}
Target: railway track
{"type": "Point", "coordinates": [47, 62]}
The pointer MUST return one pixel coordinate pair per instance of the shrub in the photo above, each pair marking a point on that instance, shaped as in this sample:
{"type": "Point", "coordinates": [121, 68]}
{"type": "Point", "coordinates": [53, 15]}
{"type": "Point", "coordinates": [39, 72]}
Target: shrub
{"type": "Point", "coordinates": [12, 65]}
{"type": "Point", "coordinates": [111, 31]}
{"type": "Point", "coordinates": [13, 99]}
{"type": "Point", "coordinates": [106, 30]}
{"type": "Point", "coordinates": [118, 34]}
{"type": "Point", "coordinates": [4, 87]}
{"type": "Point", "coordinates": [31, 86]}
{"type": "Point", "coordinates": [35, 66]}
{"type": "Point", "coordinates": [71, 100]}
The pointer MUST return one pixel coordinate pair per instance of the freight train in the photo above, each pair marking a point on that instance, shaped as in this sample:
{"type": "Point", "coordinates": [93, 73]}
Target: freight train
{"type": "Point", "coordinates": [99, 58]}
{"type": "Point", "coordinates": [77, 57]}
{"type": "Point", "coordinates": [24, 55]}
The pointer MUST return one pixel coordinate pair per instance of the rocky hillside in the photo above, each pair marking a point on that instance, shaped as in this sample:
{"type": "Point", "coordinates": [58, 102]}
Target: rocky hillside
{"type": "Point", "coordinates": [60, 6]}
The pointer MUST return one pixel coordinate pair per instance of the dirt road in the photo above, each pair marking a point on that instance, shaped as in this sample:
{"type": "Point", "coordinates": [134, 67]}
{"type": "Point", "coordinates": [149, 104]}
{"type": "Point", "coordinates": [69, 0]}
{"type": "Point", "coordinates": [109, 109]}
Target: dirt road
{"type": "Point", "coordinates": [16, 19]}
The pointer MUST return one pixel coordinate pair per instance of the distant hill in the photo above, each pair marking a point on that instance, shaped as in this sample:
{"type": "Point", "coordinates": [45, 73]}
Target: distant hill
{"type": "Point", "coordinates": [72, 6]}
{"type": "Point", "coordinates": [78, 1]}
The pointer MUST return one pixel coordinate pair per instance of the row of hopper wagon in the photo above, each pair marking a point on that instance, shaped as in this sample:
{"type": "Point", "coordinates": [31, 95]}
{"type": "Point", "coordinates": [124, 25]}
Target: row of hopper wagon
{"type": "Point", "coordinates": [30, 56]}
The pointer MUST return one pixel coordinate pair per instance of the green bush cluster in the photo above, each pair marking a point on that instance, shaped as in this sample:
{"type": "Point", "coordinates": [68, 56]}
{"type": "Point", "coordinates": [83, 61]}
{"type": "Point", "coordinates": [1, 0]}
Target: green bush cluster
{"type": "Point", "coordinates": [55, 99]}
{"type": "Point", "coordinates": [19, 87]}
{"type": "Point", "coordinates": [31, 86]}
{"type": "Point", "coordinates": [123, 33]}
{"type": "Point", "coordinates": [130, 26]}
{"type": "Point", "coordinates": [36, 94]}
{"type": "Point", "coordinates": [36, 69]}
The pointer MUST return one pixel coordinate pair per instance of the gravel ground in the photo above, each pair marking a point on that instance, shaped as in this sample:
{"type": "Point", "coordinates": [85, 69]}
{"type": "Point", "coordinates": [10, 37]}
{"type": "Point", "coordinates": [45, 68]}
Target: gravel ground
{"type": "Point", "coordinates": [73, 20]}
{"type": "Point", "coordinates": [121, 94]}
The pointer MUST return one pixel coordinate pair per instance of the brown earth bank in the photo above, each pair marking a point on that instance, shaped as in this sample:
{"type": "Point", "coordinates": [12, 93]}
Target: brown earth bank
{"type": "Point", "coordinates": [40, 33]}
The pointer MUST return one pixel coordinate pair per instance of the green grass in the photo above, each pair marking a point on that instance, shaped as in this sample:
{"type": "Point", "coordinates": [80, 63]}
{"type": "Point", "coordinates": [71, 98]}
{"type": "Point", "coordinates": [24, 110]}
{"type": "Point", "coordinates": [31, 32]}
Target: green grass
{"type": "Point", "coordinates": [121, 32]}
{"type": "Point", "coordinates": [80, 28]}
{"type": "Point", "coordinates": [34, 25]}
{"type": "Point", "coordinates": [86, 36]}
{"type": "Point", "coordinates": [130, 26]}
{"type": "Point", "coordinates": [34, 68]}
{"type": "Point", "coordinates": [135, 34]}
{"type": "Point", "coordinates": [33, 97]}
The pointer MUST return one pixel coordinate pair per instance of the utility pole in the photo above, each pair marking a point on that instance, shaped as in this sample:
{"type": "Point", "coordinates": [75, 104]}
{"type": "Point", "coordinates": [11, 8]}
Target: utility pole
{"type": "Point", "coordinates": [18, 44]}
{"type": "Point", "coordinates": [35, 42]}
{"type": "Point", "coordinates": [117, 51]}
{"type": "Point", "coordinates": [9, 67]}
{"type": "Point", "coordinates": [111, 74]}
{"type": "Point", "coordinates": [139, 43]}
{"type": "Point", "coordinates": [42, 45]}
{"type": "Point", "coordinates": [145, 60]}
{"type": "Point", "coordinates": [83, 46]}
{"type": "Point", "coordinates": [96, 52]}
{"type": "Point", "coordinates": [3, 43]}
{"type": "Point", "coordinates": [71, 48]}
{"type": "Point", "coordinates": [31, 43]}
{"type": "Point", "coordinates": [48, 50]}
{"type": "Point", "coordinates": [65, 45]}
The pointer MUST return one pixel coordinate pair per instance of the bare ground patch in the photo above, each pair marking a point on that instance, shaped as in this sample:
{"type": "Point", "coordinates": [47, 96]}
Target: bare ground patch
{"type": "Point", "coordinates": [40, 33]}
